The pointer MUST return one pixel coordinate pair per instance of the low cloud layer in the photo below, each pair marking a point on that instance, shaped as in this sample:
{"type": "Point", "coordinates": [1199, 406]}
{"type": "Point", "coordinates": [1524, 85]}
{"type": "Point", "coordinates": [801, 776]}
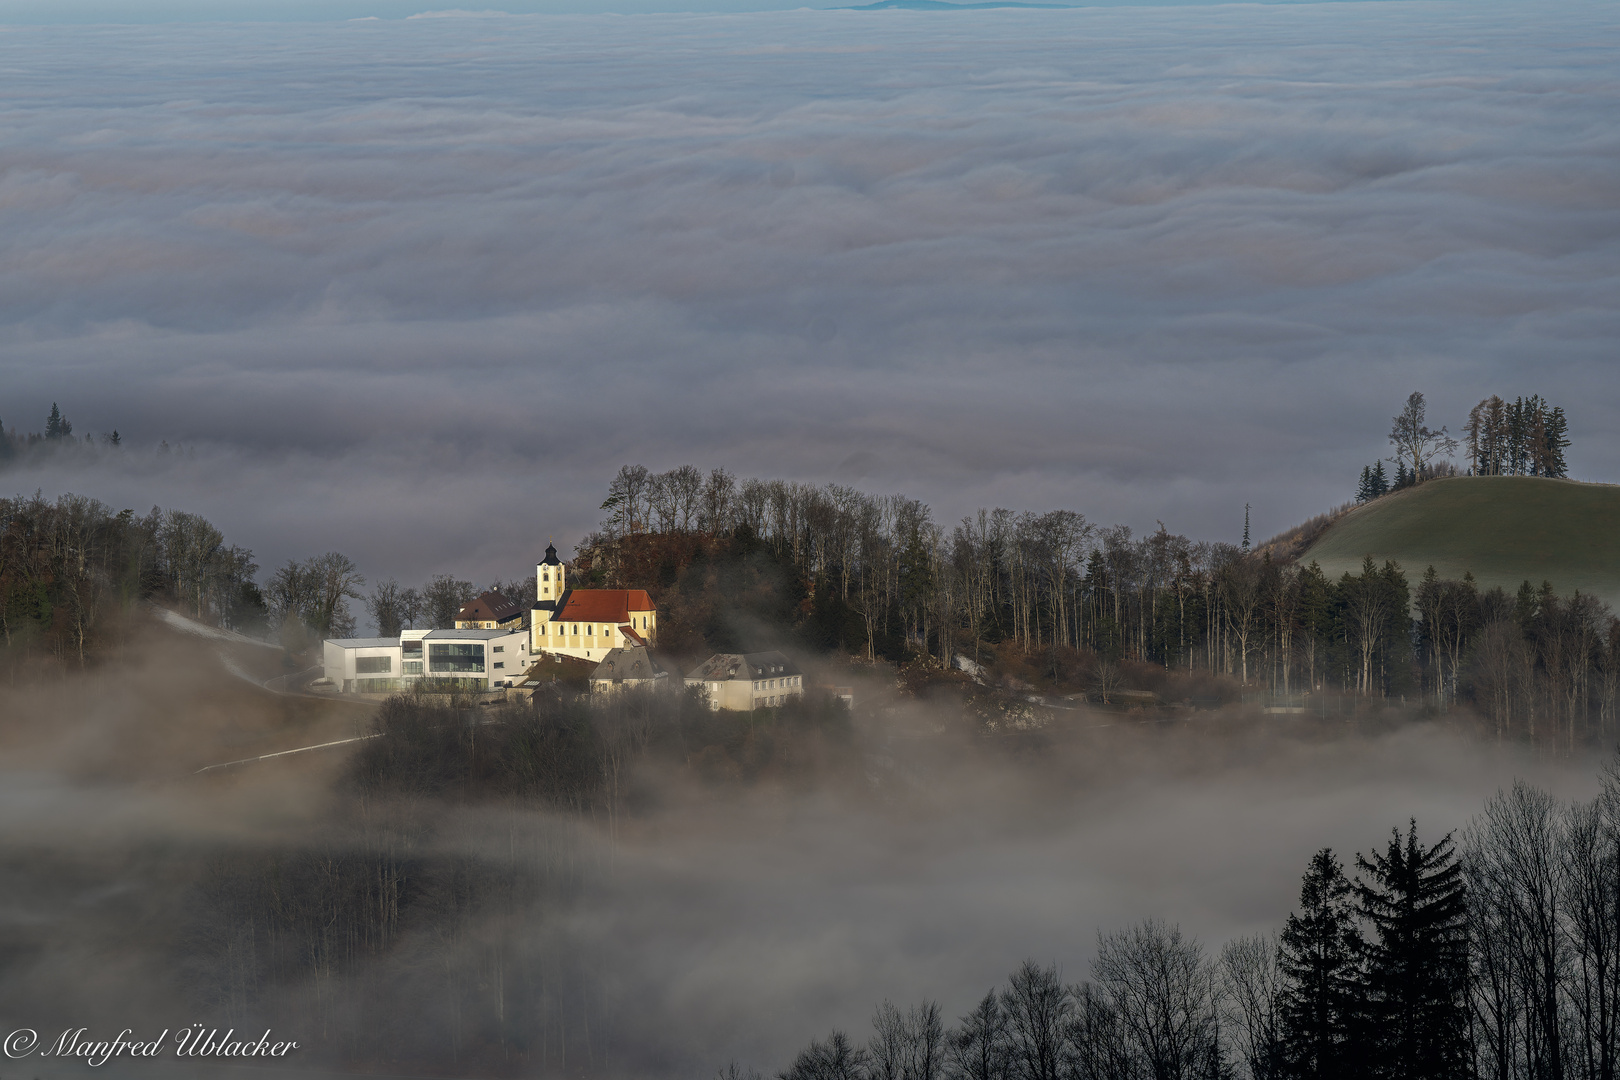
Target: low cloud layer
{"type": "Point", "coordinates": [389, 278]}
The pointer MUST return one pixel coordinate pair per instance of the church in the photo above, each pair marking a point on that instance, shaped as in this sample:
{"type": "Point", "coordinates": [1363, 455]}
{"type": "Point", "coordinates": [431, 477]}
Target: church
{"type": "Point", "coordinates": [586, 623]}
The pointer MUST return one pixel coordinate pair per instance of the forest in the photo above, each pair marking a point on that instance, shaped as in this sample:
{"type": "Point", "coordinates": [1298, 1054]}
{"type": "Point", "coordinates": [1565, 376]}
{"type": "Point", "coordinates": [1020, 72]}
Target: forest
{"type": "Point", "coordinates": [878, 577]}
{"type": "Point", "coordinates": [72, 569]}
{"type": "Point", "coordinates": [1494, 955]}
{"type": "Point", "coordinates": [1490, 953]}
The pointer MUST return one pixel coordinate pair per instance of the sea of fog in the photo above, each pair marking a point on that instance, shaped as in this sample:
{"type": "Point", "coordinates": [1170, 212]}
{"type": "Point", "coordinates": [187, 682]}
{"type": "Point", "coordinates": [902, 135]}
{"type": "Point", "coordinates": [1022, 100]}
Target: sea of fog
{"type": "Point", "coordinates": [385, 279]}
{"type": "Point", "coordinates": [709, 923]}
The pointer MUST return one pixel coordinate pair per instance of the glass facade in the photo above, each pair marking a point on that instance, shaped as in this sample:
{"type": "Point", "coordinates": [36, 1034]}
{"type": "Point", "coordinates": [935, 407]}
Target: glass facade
{"type": "Point", "coordinates": [455, 656]}
{"type": "Point", "coordinates": [373, 665]}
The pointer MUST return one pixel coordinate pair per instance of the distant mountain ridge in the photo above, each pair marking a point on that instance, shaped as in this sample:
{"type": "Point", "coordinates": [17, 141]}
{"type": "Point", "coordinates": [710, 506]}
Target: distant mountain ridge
{"type": "Point", "coordinates": [1503, 529]}
{"type": "Point", "coordinates": [942, 5]}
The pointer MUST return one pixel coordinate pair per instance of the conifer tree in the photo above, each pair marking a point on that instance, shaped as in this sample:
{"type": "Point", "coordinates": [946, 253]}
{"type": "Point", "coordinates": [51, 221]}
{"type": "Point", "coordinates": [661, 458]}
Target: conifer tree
{"type": "Point", "coordinates": [1364, 490]}
{"type": "Point", "coordinates": [1380, 480]}
{"type": "Point", "coordinates": [56, 425]}
{"type": "Point", "coordinates": [1320, 961]}
{"type": "Point", "coordinates": [1414, 900]}
{"type": "Point", "coordinates": [1557, 441]}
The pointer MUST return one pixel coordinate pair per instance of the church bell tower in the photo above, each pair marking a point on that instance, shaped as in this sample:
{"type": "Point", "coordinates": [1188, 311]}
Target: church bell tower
{"type": "Point", "coordinates": [548, 576]}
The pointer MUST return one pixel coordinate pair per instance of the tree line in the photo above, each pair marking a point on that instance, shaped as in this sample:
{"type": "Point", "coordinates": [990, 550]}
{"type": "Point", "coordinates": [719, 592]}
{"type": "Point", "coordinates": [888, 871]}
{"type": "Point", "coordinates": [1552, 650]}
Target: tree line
{"type": "Point", "coordinates": [70, 568]}
{"type": "Point", "coordinates": [1524, 437]}
{"type": "Point", "coordinates": [58, 433]}
{"type": "Point", "coordinates": [1494, 955]}
{"type": "Point", "coordinates": [895, 583]}
{"type": "Point", "coordinates": [394, 608]}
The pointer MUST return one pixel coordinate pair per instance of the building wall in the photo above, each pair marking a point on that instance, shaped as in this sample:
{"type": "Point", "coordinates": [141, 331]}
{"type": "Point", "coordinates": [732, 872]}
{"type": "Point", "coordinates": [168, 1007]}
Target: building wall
{"type": "Point", "coordinates": [342, 665]}
{"type": "Point", "coordinates": [502, 659]}
{"type": "Point", "coordinates": [586, 640]}
{"type": "Point", "coordinates": [549, 581]}
{"type": "Point", "coordinates": [744, 695]}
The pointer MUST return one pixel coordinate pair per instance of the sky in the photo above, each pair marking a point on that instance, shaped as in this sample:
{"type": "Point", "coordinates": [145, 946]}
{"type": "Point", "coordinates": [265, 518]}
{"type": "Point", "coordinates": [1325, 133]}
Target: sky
{"type": "Point", "coordinates": [414, 289]}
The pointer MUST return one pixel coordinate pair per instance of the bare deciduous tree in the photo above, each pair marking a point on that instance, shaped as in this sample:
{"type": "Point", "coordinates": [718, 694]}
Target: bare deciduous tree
{"type": "Point", "coordinates": [1414, 441]}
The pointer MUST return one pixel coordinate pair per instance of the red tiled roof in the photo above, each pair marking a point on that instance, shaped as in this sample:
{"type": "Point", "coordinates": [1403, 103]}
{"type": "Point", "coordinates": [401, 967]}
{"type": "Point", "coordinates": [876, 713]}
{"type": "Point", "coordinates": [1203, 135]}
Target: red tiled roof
{"type": "Point", "coordinates": [630, 632]}
{"type": "Point", "coordinates": [603, 605]}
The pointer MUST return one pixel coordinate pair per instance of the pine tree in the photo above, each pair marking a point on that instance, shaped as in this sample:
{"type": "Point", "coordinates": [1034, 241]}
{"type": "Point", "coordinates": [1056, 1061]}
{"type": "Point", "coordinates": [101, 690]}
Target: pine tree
{"type": "Point", "coordinates": [1364, 492]}
{"type": "Point", "coordinates": [55, 425]}
{"type": "Point", "coordinates": [1380, 480]}
{"type": "Point", "coordinates": [1245, 526]}
{"type": "Point", "coordinates": [1414, 899]}
{"type": "Point", "coordinates": [1320, 960]}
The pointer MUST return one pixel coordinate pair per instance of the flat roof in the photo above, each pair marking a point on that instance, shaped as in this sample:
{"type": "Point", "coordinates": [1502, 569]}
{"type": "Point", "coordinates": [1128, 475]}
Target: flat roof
{"type": "Point", "coordinates": [476, 635]}
{"type": "Point", "coordinates": [363, 642]}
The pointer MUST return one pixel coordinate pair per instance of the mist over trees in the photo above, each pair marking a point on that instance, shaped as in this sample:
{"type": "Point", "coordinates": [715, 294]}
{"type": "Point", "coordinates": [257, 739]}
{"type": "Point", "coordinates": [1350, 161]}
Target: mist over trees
{"type": "Point", "coordinates": [57, 437]}
{"type": "Point", "coordinates": [1489, 956]}
{"type": "Point", "coordinates": [878, 577]}
{"type": "Point", "coordinates": [71, 569]}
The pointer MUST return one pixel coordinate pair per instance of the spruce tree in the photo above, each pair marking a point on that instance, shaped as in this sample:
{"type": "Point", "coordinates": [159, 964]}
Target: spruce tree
{"type": "Point", "coordinates": [1415, 901]}
{"type": "Point", "coordinates": [1364, 491]}
{"type": "Point", "coordinates": [1321, 964]}
{"type": "Point", "coordinates": [1557, 439]}
{"type": "Point", "coordinates": [53, 423]}
{"type": "Point", "coordinates": [1380, 480]}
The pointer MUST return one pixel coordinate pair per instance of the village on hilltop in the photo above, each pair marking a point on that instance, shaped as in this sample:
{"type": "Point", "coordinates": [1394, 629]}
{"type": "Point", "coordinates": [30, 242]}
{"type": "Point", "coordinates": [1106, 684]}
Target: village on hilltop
{"type": "Point", "coordinates": [497, 645]}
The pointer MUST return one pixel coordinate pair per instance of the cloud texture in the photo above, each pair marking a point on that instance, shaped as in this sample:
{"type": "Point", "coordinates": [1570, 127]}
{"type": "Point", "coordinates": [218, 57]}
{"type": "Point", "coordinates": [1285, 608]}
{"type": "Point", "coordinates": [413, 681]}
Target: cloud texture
{"type": "Point", "coordinates": [395, 276]}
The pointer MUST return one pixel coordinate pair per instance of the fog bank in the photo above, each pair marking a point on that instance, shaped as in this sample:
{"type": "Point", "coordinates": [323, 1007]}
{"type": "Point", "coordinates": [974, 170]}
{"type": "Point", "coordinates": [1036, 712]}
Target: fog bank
{"type": "Point", "coordinates": [1147, 263]}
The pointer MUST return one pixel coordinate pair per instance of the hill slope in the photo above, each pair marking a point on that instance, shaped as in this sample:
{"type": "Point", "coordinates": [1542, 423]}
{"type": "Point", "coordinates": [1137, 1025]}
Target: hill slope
{"type": "Point", "coordinates": [1506, 529]}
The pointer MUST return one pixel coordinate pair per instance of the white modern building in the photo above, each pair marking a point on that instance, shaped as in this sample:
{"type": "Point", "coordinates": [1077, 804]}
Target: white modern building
{"type": "Point", "coordinates": [453, 659]}
{"type": "Point", "coordinates": [746, 681]}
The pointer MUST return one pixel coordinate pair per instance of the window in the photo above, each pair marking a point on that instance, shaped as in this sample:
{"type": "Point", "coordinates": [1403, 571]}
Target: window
{"type": "Point", "coordinates": [500, 648]}
{"type": "Point", "coordinates": [412, 667]}
{"type": "Point", "coordinates": [499, 664]}
{"type": "Point", "coordinates": [455, 656]}
{"type": "Point", "coordinates": [411, 648]}
{"type": "Point", "coordinates": [545, 577]}
{"type": "Point", "coordinates": [373, 665]}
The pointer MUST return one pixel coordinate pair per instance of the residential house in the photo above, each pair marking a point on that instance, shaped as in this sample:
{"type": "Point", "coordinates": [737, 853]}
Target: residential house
{"type": "Point", "coordinates": [747, 681]}
{"type": "Point", "coordinates": [491, 611]}
{"type": "Point", "coordinates": [627, 668]}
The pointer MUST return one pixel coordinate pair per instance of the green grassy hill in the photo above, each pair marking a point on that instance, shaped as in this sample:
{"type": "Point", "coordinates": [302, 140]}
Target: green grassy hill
{"type": "Point", "coordinates": [1506, 529]}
